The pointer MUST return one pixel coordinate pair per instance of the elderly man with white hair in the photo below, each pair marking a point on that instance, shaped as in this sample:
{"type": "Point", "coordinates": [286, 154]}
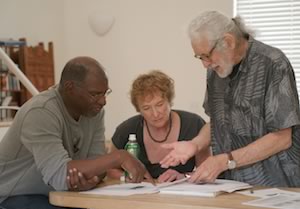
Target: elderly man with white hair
{"type": "Point", "coordinates": [253, 105]}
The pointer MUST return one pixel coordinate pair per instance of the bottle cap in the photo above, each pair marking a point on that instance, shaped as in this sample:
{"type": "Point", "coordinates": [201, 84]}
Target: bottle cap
{"type": "Point", "coordinates": [132, 137]}
{"type": "Point", "coordinates": [122, 178]}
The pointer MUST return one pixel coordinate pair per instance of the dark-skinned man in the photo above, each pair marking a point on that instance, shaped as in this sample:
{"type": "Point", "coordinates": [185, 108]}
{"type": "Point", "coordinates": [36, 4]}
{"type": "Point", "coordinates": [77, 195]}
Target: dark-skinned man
{"type": "Point", "coordinates": [56, 141]}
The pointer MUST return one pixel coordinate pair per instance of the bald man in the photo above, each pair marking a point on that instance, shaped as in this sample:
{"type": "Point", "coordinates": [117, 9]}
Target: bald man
{"type": "Point", "coordinates": [56, 141]}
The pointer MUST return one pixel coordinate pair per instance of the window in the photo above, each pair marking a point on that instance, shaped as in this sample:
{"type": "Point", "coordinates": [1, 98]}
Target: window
{"type": "Point", "coordinates": [277, 23]}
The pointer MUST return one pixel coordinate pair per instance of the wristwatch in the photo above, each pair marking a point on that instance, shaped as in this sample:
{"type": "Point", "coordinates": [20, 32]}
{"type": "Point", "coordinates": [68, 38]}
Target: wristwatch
{"type": "Point", "coordinates": [231, 163]}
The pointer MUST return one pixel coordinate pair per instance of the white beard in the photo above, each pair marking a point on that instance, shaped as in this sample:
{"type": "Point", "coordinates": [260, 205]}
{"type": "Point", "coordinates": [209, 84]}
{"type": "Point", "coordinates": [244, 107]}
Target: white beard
{"type": "Point", "coordinates": [227, 68]}
{"type": "Point", "coordinates": [225, 72]}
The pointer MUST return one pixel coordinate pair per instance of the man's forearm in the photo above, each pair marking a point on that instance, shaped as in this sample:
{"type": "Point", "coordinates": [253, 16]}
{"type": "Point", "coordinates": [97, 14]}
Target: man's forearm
{"type": "Point", "coordinates": [202, 140]}
{"type": "Point", "coordinates": [97, 166]}
{"type": "Point", "coordinates": [263, 147]}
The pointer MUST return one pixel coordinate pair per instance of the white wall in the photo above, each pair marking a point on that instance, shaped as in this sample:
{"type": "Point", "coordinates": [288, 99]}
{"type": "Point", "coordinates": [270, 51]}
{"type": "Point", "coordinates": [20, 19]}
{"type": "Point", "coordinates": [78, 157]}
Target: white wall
{"type": "Point", "coordinates": [37, 21]}
{"type": "Point", "coordinates": [147, 34]}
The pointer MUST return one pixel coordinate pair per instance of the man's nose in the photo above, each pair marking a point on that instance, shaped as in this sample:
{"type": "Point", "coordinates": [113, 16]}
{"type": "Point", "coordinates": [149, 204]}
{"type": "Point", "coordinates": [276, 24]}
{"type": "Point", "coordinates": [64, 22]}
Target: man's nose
{"type": "Point", "coordinates": [206, 63]}
{"type": "Point", "coordinates": [102, 100]}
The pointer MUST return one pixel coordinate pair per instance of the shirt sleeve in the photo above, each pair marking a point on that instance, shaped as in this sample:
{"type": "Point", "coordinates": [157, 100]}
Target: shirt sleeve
{"type": "Point", "coordinates": [281, 101]}
{"type": "Point", "coordinates": [41, 135]}
{"type": "Point", "coordinates": [98, 142]}
{"type": "Point", "coordinates": [205, 104]}
{"type": "Point", "coordinates": [120, 138]}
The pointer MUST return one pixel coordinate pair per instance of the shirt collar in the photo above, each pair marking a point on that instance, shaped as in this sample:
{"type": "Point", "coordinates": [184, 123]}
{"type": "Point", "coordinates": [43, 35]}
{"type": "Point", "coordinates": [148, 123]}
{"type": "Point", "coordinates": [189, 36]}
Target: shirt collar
{"type": "Point", "coordinates": [243, 64]}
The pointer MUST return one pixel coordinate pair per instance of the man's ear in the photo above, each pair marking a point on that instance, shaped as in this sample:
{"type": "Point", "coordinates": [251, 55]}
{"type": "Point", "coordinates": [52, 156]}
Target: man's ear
{"type": "Point", "coordinates": [229, 41]}
{"type": "Point", "coordinates": [69, 86]}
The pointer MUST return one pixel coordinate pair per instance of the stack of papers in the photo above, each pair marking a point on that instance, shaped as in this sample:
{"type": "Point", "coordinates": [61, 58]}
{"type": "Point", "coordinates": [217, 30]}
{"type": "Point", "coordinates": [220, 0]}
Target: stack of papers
{"type": "Point", "coordinates": [180, 187]}
{"type": "Point", "coordinates": [274, 198]}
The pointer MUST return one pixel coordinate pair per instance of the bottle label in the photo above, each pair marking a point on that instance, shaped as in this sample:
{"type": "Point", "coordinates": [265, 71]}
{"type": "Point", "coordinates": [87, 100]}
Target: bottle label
{"type": "Point", "coordinates": [133, 149]}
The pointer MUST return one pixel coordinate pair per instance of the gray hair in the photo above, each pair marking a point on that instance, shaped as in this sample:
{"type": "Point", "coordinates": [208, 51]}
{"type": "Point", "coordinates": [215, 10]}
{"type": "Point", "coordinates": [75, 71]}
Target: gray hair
{"type": "Point", "coordinates": [213, 25]}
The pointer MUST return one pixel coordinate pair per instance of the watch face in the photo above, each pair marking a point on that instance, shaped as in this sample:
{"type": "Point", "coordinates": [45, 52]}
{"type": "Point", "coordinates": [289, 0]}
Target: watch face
{"type": "Point", "coordinates": [231, 164]}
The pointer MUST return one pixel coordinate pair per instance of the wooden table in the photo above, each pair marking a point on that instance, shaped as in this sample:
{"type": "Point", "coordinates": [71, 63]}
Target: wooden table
{"type": "Point", "coordinates": [150, 201]}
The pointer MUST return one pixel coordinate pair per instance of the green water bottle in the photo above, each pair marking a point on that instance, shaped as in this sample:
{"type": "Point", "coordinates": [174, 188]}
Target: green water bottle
{"type": "Point", "coordinates": [133, 148]}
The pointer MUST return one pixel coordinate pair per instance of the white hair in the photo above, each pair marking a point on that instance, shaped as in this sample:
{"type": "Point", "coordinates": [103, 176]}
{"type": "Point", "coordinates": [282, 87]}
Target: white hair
{"type": "Point", "coordinates": [212, 25]}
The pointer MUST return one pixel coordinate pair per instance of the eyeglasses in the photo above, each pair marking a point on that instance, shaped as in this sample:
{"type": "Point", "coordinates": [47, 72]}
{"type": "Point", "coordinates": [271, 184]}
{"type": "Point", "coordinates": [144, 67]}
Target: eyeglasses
{"type": "Point", "coordinates": [96, 96]}
{"type": "Point", "coordinates": [206, 57]}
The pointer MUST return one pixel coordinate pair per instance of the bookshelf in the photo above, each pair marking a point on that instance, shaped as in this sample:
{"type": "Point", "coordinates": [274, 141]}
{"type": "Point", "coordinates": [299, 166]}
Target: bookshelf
{"type": "Point", "coordinates": [35, 71]}
{"type": "Point", "coordinates": [37, 64]}
{"type": "Point", "coordinates": [10, 88]}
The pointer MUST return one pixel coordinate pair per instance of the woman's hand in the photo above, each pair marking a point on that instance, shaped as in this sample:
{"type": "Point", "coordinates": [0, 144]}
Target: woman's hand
{"type": "Point", "coordinates": [170, 175]}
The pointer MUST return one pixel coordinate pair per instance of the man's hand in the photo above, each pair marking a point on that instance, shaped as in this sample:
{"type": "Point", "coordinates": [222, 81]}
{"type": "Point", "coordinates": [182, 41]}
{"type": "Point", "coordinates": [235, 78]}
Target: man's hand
{"type": "Point", "coordinates": [133, 166]}
{"type": "Point", "coordinates": [210, 169]}
{"type": "Point", "coordinates": [180, 152]}
{"type": "Point", "coordinates": [76, 181]}
{"type": "Point", "coordinates": [170, 175]}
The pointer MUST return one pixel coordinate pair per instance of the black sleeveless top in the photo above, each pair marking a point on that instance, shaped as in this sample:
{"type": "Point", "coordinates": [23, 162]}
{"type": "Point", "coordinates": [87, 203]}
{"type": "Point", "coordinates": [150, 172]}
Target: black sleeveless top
{"type": "Point", "coordinates": [190, 126]}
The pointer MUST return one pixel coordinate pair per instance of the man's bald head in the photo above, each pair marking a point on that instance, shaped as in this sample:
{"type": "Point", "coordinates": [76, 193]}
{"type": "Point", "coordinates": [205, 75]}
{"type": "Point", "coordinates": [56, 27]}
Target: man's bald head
{"type": "Point", "coordinates": [78, 68]}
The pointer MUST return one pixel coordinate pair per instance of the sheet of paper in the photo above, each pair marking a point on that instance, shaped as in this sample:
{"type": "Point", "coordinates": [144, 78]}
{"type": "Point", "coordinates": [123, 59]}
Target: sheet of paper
{"type": "Point", "coordinates": [268, 192]}
{"type": "Point", "coordinates": [279, 201]}
{"type": "Point", "coordinates": [166, 184]}
{"type": "Point", "coordinates": [205, 189]}
{"type": "Point", "coordinates": [124, 189]}
{"type": "Point", "coordinates": [176, 187]}
{"type": "Point", "coordinates": [190, 190]}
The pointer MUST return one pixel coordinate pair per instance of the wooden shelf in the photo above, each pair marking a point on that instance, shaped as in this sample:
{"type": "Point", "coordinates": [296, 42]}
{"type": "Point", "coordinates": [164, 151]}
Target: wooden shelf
{"type": "Point", "coordinates": [36, 63]}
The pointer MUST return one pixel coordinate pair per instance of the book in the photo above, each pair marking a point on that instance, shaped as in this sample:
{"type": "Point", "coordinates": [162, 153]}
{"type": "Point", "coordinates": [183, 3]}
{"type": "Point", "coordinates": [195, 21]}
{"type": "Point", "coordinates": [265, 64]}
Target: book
{"type": "Point", "coordinates": [179, 187]}
{"type": "Point", "coordinates": [4, 112]}
{"type": "Point", "coordinates": [205, 189]}
{"type": "Point", "coordinates": [126, 189]}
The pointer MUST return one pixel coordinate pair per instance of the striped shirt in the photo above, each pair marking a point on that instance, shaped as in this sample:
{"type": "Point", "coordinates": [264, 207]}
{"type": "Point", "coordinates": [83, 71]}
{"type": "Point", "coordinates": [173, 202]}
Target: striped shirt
{"type": "Point", "coordinates": [259, 99]}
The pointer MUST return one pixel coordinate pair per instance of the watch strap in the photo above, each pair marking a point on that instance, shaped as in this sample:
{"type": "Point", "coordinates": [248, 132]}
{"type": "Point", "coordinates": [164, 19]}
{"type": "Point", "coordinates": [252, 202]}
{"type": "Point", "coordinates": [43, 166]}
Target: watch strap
{"type": "Point", "coordinates": [230, 157]}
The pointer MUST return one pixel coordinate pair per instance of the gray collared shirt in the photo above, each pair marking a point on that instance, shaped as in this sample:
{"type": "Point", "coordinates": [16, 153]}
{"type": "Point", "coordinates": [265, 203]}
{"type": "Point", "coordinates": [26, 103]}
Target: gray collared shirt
{"type": "Point", "coordinates": [41, 141]}
{"type": "Point", "coordinates": [261, 98]}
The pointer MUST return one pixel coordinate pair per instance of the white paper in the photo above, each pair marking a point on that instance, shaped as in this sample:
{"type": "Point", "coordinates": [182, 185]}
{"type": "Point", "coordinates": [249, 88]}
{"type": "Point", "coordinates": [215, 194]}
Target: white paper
{"type": "Point", "coordinates": [268, 192]}
{"type": "Point", "coordinates": [279, 201]}
{"type": "Point", "coordinates": [205, 189]}
{"type": "Point", "coordinates": [176, 187]}
{"type": "Point", "coordinates": [167, 184]}
{"type": "Point", "coordinates": [124, 189]}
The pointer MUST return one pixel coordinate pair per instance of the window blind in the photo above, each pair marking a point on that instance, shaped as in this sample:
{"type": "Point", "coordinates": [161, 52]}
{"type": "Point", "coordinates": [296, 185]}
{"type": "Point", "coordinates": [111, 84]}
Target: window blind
{"type": "Point", "coordinates": [277, 23]}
